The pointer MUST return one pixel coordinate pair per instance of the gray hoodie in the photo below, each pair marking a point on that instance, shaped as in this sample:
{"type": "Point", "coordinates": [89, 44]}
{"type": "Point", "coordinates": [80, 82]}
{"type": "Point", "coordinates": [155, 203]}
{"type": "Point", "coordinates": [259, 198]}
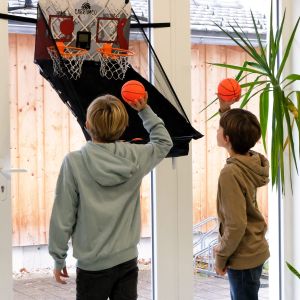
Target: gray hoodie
{"type": "Point", "coordinates": [242, 242]}
{"type": "Point", "coordinates": [97, 199]}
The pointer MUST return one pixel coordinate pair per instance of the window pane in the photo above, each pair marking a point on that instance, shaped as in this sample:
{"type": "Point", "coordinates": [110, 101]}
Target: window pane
{"type": "Point", "coordinates": [211, 45]}
{"type": "Point", "coordinates": [43, 131]}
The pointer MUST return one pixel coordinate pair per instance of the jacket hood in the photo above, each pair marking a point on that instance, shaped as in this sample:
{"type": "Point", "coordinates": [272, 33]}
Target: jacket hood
{"type": "Point", "coordinates": [106, 167]}
{"type": "Point", "coordinates": [255, 167]}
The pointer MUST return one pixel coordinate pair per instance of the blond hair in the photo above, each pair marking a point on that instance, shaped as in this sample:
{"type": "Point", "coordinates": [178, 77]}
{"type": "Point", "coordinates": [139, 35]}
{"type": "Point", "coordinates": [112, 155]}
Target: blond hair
{"type": "Point", "coordinates": [107, 118]}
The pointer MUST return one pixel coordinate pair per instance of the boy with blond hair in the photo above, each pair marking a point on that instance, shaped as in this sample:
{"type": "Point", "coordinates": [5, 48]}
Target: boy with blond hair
{"type": "Point", "coordinates": [97, 201]}
{"type": "Point", "coordinates": [242, 248]}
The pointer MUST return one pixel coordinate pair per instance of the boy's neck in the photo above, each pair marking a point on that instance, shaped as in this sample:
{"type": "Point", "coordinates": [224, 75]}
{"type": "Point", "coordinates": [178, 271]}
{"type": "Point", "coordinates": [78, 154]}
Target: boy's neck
{"type": "Point", "coordinates": [97, 142]}
{"type": "Point", "coordinates": [101, 142]}
{"type": "Point", "coordinates": [232, 153]}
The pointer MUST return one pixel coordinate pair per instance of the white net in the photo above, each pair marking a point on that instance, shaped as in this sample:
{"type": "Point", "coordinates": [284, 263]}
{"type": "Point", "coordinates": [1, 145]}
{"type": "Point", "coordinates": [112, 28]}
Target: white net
{"type": "Point", "coordinates": [113, 68]}
{"type": "Point", "coordinates": [114, 65]}
{"type": "Point", "coordinates": [69, 63]}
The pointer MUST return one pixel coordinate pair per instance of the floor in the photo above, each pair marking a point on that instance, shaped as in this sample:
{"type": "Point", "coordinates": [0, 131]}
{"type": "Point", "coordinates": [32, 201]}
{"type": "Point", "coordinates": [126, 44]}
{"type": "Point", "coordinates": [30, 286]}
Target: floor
{"type": "Point", "coordinates": [41, 286]}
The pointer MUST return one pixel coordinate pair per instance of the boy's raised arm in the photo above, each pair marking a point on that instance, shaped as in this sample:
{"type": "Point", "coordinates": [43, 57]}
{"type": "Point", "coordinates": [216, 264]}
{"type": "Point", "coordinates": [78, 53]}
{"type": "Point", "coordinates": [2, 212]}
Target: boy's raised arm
{"type": "Point", "coordinates": [160, 141]}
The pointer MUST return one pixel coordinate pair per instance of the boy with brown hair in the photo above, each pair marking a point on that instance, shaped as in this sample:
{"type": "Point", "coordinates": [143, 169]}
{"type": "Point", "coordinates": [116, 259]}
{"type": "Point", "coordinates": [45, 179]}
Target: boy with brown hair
{"type": "Point", "coordinates": [242, 248]}
{"type": "Point", "coordinates": [97, 201]}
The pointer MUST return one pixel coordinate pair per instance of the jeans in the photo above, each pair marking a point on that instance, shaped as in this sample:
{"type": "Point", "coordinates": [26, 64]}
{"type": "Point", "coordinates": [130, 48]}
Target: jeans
{"type": "Point", "coordinates": [116, 283]}
{"type": "Point", "coordinates": [244, 284]}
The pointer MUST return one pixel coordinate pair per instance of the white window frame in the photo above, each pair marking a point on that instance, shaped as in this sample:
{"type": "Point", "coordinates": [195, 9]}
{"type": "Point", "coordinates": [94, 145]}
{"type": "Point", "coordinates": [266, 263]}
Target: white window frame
{"type": "Point", "coordinates": [5, 200]}
{"type": "Point", "coordinates": [284, 209]}
{"type": "Point", "coordinates": [290, 208]}
{"type": "Point", "coordinates": [173, 219]}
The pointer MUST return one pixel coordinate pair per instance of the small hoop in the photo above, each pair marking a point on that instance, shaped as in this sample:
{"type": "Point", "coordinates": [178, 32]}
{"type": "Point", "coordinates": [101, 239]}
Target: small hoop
{"type": "Point", "coordinates": [113, 61]}
{"type": "Point", "coordinates": [114, 53]}
{"type": "Point", "coordinates": [71, 62]}
{"type": "Point", "coordinates": [69, 52]}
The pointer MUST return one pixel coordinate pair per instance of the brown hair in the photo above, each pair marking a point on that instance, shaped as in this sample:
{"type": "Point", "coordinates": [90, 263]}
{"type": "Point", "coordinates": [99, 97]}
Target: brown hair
{"type": "Point", "coordinates": [242, 128]}
{"type": "Point", "coordinates": [107, 118]}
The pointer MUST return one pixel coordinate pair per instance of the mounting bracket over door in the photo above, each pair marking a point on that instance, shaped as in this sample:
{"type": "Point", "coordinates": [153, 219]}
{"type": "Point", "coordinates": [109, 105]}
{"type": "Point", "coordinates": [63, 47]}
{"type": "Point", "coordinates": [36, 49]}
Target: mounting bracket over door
{"type": "Point", "coordinates": [34, 21]}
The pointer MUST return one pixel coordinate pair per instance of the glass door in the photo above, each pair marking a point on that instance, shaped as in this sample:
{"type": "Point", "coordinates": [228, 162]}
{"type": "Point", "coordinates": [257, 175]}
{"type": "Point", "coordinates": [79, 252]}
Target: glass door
{"type": "Point", "coordinates": [211, 45]}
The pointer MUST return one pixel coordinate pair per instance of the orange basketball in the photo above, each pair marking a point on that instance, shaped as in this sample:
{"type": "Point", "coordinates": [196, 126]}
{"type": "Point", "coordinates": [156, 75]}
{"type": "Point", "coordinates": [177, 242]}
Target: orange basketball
{"type": "Point", "coordinates": [132, 90]}
{"type": "Point", "coordinates": [229, 90]}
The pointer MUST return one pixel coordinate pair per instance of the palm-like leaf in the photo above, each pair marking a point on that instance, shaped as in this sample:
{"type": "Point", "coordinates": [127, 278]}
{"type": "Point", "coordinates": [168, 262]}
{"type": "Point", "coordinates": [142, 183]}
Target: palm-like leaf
{"type": "Point", "coordinates": [264, 114]}
{"type": "Point", "coordinates": [293, 270]}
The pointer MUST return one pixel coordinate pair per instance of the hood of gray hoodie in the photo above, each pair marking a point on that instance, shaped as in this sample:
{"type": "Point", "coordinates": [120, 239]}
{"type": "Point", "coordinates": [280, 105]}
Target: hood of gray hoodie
{"type": "Point", "coordinates": [104, 164]}
{"type": "Point", "coordinates": [255, 167]}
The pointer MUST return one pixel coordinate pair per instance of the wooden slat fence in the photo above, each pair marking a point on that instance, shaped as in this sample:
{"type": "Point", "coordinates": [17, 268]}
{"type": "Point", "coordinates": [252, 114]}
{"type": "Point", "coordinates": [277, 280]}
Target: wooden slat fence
{"type": "Point", "coordinates": [43, 131]}
{"type": "Point", "coordinates": [208, 158]}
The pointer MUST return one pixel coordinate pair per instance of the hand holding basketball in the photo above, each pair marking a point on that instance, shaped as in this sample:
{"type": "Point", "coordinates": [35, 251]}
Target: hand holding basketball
{"type": "Point", "coordinates": [132, 91]}
{"type": "Point", "coordinates": [229, 90]}
{"type": "Point", "coordinates": [139, 104]}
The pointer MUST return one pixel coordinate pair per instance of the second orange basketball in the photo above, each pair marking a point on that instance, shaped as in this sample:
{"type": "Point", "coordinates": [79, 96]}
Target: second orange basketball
{"type": "Point", "coordinates": [229, 90]}
{"type": "Point", "coordinates": [132, 90]}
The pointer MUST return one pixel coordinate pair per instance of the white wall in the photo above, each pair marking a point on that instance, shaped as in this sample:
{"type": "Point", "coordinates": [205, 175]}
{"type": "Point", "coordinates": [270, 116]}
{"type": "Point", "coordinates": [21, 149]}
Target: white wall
{"type": "Point", "coordinates": [5, 202]}
{"type": "Point", "coordinates": [291, 203]}
{"type": "Point", "coordinates": [173, 271]}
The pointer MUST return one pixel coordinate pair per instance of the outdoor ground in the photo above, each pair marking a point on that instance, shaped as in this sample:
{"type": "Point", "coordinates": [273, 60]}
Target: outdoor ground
{"type": "Point", "coordinates": [41, 286]}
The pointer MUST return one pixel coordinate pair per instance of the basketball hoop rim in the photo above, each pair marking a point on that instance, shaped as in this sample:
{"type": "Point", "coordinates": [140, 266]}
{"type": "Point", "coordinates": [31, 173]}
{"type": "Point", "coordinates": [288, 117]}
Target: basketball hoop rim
{"type": "Point", "coordinates": [121, 53]}
{"type": "Point", "coordinates": [79, 51]}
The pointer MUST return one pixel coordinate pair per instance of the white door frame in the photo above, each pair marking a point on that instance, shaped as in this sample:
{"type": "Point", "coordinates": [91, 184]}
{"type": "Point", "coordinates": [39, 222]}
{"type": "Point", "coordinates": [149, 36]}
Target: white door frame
{"type": "Point", "coordinates": [5, 200]}
{"type": "Point", "coordinates": [173, 219]}
{"type": "Point", "coordinates": [284, 219]}
{"type": "Point", "coordinates": [290, 201]}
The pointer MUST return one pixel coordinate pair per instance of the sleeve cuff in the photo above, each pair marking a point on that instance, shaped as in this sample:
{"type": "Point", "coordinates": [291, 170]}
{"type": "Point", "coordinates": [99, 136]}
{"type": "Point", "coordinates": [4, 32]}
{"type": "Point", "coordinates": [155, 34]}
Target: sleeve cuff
{"type": "Point", "coordinates": [59, 266]}
{"type": "Point", "coordinates": [222, 112]}
{"type": "Point", "coordinates": [146, 111]}
{"type": "Point", "coordinates": [220, 262]}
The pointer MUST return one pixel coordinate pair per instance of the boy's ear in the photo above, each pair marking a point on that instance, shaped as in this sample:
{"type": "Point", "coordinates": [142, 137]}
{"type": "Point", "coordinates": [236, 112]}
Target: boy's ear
{"type": "Point", "coordinates": [87, 125]}
{"type": "Point", "coordinates": [227, 139]}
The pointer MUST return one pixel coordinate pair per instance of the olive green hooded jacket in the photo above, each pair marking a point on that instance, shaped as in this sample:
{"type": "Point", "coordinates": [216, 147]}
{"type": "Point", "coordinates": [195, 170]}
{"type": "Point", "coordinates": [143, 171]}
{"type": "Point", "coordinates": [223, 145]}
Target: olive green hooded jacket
{"type": "Point", "coordinates": [242, 228]}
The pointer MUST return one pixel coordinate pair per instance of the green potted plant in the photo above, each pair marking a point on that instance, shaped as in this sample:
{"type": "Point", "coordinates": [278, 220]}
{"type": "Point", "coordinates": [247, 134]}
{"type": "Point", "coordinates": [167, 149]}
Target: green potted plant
{"type": "Point", "coordinates": [272, 90]}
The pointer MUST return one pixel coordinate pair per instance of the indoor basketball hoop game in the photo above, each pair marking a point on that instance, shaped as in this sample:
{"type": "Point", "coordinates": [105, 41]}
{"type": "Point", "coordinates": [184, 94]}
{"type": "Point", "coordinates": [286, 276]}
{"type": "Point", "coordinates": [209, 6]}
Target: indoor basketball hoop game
{"type": "Point", "coordinates": [82, 49]}
{"type": "Point", "coordinates": [93, 30]}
